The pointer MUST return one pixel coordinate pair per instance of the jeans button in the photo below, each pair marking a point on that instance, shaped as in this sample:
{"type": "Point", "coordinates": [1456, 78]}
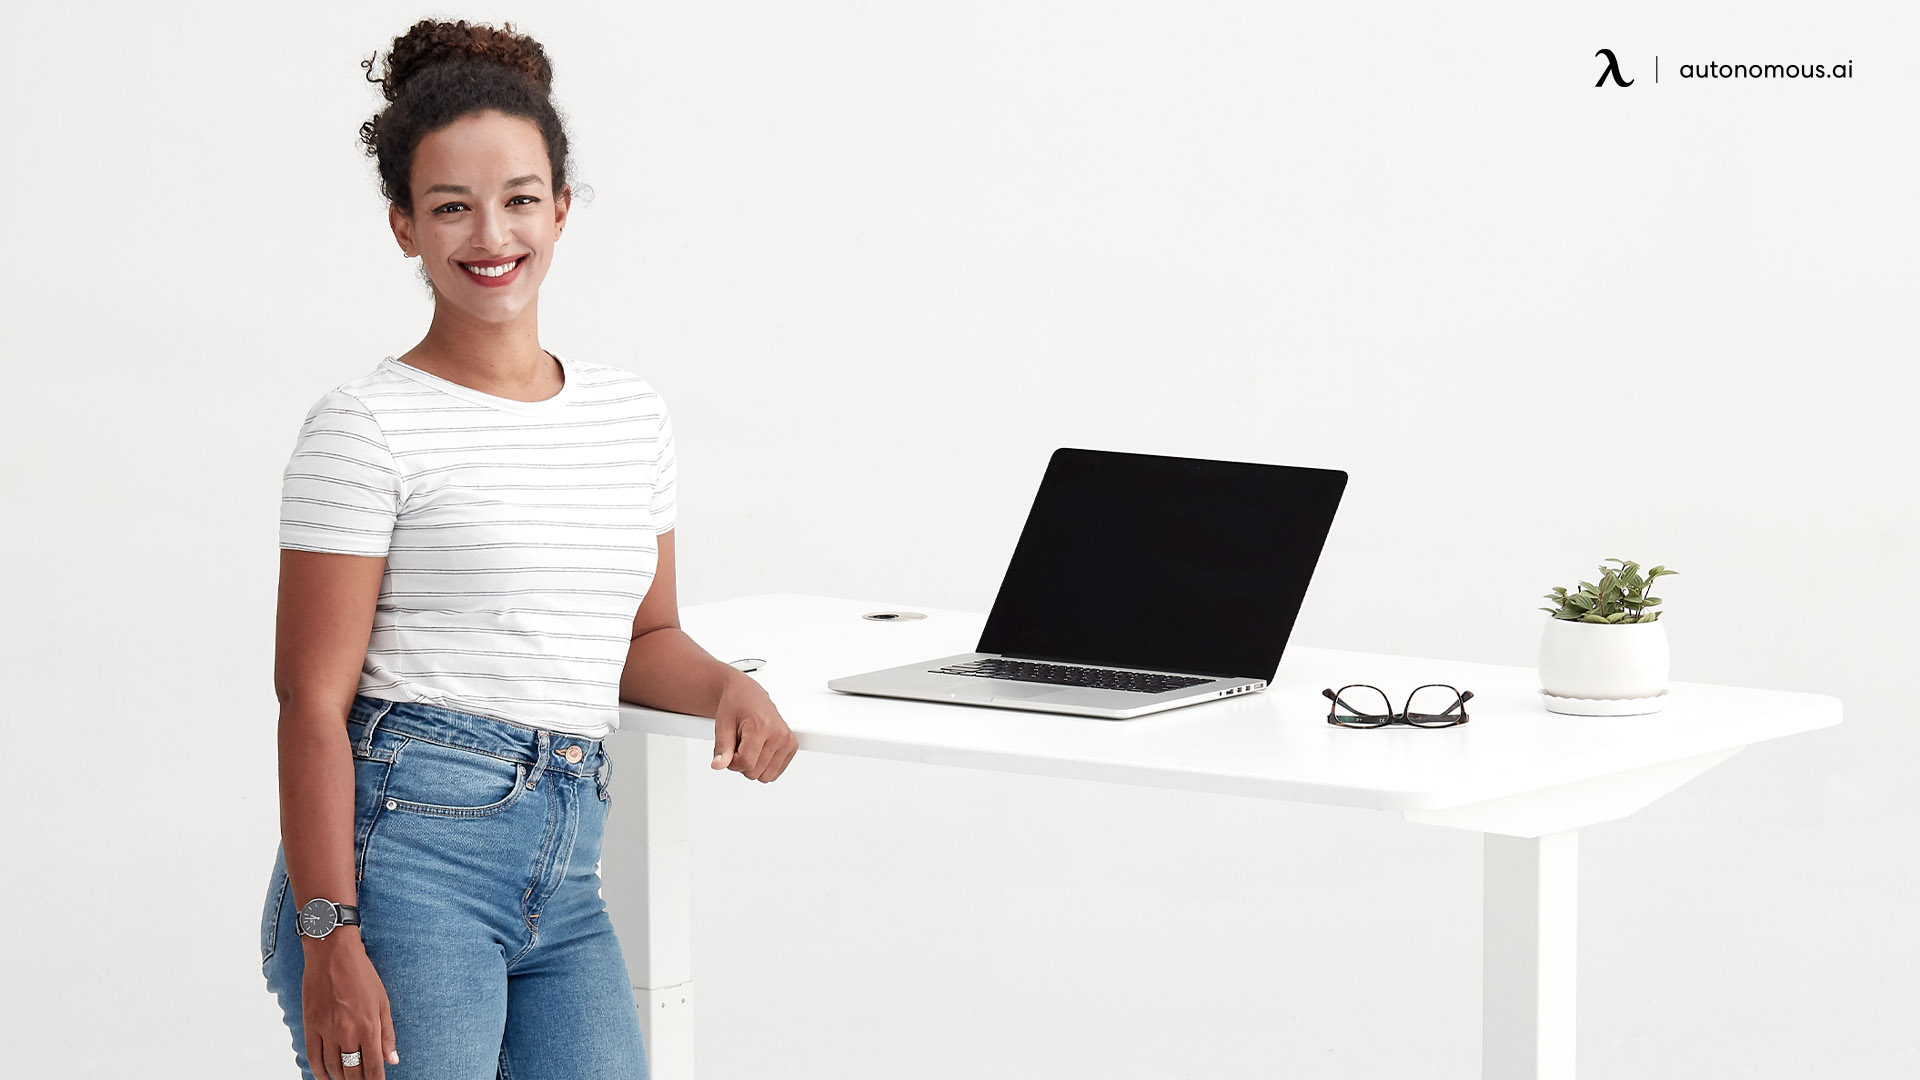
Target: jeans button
{"type": "Point", "coordinates": [574, 755]}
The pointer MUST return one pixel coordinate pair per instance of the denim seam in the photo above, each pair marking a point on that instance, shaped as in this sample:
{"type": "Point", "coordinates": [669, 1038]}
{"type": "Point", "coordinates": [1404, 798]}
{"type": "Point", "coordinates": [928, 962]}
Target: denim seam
{"type": "Point", "coordinates": [541, 863]}
{"type": "Point", "coordinates": [373, 819]}
{"type": "Point", "coordinates": [569, 835]}
{"type": "Point", "coordinates": [279, 906]}
{"type": "Point", "coordinates": [545, 859]}
{"type": "Point", "coordinates": [528, 917]}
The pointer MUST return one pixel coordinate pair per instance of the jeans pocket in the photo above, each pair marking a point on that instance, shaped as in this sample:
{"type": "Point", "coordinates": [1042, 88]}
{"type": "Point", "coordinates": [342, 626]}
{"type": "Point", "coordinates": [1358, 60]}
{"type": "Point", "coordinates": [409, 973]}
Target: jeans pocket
{"type": "Point", "coordinates": [270, 915]}
{"type": "Point", "coordinates": [439, 780]}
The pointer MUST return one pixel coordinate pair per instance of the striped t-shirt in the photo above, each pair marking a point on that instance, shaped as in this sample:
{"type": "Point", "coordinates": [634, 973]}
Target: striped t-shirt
{"type": "Point", "coordinates": [519, 535]}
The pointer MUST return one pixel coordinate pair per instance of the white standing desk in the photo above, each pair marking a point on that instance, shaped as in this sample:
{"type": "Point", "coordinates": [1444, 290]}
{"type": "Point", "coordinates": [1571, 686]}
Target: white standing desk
{"type": "Point", "coordinates": [1526, 778]}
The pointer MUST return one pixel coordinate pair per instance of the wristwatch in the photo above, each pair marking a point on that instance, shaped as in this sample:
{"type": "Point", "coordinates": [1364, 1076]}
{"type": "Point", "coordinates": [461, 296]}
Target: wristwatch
{"type": "Point", "coordinates": [320, 917]}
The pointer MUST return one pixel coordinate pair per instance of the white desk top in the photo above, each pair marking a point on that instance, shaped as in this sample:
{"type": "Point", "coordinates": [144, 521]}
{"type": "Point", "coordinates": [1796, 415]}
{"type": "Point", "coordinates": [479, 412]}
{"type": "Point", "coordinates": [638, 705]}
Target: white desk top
{"type": "Point", "coordinates": [1274, 744]}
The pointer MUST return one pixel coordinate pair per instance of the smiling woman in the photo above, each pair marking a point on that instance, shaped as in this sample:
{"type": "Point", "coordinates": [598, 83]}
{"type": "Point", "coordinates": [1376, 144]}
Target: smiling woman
{"type": "Point", "coordinates": [473, 161]}
{"type": "Point", "coordinates": [476, 568]}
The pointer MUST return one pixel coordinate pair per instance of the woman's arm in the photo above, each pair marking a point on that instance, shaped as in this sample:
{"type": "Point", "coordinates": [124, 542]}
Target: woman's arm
{"type": "Point", "coordinates": [666, 669]}
{"type": "Point", "coordinates": [320, 645]}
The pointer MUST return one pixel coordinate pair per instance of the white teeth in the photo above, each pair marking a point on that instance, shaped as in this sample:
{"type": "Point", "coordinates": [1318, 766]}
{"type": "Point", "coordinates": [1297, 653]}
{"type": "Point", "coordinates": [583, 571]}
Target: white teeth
{"type": "Point", "coordinates": [491, 271]}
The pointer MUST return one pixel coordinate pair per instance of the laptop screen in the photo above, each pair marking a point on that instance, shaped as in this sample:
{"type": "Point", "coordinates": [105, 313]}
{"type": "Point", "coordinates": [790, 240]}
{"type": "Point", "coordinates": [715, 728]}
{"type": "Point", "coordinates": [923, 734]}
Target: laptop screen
{"type": "Point", "coordinates": [1180, 564]}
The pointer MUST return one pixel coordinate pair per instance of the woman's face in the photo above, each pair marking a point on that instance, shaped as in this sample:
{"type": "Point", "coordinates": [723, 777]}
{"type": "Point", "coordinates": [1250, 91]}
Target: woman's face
{"type": "Point", "coordinates": [482, 199]}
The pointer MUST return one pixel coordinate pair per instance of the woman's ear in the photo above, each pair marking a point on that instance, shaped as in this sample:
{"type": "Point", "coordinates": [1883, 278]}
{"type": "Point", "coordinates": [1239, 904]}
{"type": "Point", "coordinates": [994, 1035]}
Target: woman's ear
{"type": "Point", "coordinates": [402, 230]}
{"type": "Point", "coordinates": [562, 204]}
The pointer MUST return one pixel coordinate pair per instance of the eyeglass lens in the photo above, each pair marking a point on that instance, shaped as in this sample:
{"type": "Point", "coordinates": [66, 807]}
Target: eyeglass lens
{"type": "Point", "coordinates": [1434, 706]}
{"type": "Point", "coordinates": [1358, 704]}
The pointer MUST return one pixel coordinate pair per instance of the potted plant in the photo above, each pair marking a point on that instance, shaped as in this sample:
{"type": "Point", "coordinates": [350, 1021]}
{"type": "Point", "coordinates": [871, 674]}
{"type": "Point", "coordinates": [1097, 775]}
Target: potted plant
{"type": "Point", "coordinates": [1604, 651]}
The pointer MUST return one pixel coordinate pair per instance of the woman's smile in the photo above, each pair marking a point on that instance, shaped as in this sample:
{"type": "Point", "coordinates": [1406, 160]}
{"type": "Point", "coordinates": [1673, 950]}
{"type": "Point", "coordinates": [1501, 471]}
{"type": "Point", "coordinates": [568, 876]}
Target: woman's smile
{"type": "Point", "coordinates": [494, 273]}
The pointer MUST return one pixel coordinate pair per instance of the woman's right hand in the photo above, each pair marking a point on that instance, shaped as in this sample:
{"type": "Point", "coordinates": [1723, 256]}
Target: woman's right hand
{"type": "Point", "coordinates": [344, 1004]}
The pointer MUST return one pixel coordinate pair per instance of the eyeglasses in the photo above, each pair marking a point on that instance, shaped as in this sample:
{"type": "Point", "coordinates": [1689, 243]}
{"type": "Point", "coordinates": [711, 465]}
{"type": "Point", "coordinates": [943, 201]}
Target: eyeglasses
{"type": "Point", "coordinates": [1440, 705]}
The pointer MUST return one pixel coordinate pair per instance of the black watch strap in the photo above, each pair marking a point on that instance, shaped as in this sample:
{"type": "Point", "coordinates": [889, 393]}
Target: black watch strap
{"type": "Point", "coordinates": [349, 915]}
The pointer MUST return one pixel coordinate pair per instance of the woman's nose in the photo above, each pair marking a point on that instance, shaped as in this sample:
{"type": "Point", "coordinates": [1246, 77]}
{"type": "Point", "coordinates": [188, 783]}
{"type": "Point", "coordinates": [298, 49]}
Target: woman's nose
{"type": "Point", "coordinates": [489, 230]}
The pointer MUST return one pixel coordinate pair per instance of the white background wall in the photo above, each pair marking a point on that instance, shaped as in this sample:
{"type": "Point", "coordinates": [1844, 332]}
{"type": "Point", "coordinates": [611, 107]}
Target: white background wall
{"type": "Point", "coordinates": [882, 259]}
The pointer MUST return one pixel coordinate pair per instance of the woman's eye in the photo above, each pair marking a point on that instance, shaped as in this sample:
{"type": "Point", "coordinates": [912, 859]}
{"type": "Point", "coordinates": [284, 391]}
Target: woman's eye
{"type": "Point", "coordinates": [452, 205]}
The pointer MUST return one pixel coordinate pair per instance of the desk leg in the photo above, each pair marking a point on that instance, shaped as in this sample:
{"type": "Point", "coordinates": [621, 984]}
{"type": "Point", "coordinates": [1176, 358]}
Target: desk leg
{"type": "Point", "coordinates": [646, 881]}
{"type": "Point", "coordinates": [1530, 946]}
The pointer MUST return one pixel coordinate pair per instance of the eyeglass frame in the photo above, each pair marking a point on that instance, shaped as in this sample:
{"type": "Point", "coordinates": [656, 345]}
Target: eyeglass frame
{"type": "Point", "coordinates": [1403, 716]}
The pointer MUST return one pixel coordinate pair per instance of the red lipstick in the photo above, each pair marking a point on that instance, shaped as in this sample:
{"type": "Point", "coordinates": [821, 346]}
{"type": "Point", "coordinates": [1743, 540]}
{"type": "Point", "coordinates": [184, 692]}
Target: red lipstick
{"type": "Point", "coordinates": [495, 282]}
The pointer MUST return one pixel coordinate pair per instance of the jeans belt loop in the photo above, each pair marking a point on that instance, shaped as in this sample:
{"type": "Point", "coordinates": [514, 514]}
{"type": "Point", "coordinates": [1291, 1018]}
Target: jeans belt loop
{"type": "Point", "coordinates": [366, 737]}
{"type": "Point", "coordinates": [540, 743]}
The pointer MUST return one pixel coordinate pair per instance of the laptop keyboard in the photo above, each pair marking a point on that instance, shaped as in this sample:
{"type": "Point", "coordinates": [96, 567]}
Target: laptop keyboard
{"type": "Point", "coordinates": [1139, 682]}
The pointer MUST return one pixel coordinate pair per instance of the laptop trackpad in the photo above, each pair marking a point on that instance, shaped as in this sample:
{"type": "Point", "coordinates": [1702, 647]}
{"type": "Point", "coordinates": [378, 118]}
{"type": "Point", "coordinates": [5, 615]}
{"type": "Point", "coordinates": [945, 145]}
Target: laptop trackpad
{"type": "Point", "coordinates": [1022, 692]}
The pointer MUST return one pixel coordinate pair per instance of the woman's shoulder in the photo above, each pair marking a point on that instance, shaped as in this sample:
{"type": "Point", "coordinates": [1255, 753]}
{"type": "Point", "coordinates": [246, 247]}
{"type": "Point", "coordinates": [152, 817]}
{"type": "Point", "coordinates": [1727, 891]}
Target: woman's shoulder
{"type": "Point", "coordinates": [370, 393]}
{"type": "Point", "coordinates": [607, 378]}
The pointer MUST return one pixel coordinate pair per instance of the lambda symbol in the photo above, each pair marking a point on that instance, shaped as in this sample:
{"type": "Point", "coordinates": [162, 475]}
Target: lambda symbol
{"type": "Point", "coordinates": [1613, 69]}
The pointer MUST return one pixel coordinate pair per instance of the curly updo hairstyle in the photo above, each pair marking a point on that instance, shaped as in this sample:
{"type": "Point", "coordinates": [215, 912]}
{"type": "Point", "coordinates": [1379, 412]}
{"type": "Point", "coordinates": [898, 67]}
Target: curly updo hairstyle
{"type": "Point", "coordinates": [438, 72]}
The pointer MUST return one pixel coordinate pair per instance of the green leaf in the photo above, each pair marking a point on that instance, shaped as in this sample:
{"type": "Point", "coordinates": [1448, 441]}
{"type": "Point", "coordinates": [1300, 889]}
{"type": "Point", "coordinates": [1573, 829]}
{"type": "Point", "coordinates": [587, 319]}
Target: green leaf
{"type": "Point", "coordinates": [1616, 616]}
{"type": "Point", "coordinates": [1650, 601]}
{"type": "Point", "coordinates": [1590, 617]}
{"type": "Point", "coordinates": [1648, 617]}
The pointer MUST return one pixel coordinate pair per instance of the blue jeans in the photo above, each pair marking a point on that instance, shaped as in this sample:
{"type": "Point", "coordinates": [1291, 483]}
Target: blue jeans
{"type": "Point", "coordinates": [476, 846]}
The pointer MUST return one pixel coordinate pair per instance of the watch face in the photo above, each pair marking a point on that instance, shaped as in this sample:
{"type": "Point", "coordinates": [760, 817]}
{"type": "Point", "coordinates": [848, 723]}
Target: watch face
{"type": "Point", "coordinates": [316, 919]}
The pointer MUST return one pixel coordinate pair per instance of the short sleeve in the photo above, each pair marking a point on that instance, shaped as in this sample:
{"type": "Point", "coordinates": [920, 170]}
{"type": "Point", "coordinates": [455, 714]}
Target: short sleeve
{"type": "Point", "coordinates": [341, 489]}
{"type": "Point", "coordinates": [663, 473]}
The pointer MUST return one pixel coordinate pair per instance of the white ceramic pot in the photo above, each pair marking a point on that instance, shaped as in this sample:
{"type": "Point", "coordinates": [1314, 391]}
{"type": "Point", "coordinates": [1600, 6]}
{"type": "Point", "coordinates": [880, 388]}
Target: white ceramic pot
{"type": "Point", "coordinates": [1603, 660]}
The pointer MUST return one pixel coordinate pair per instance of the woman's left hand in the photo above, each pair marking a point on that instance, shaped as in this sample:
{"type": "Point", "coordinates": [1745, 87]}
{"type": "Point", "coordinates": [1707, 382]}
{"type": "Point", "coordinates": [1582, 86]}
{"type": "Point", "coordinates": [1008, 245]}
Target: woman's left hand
{"type": "Point", "coordinates": [749, 736]}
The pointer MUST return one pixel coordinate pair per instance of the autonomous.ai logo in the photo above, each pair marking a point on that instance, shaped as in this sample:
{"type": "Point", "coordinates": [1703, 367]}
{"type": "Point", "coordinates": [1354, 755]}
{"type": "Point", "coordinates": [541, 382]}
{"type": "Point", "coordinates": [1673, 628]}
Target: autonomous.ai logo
{"type": "Point", "coordinates": [1803, 72]}
{"type": "Point", "coordinates": [1613, 70]}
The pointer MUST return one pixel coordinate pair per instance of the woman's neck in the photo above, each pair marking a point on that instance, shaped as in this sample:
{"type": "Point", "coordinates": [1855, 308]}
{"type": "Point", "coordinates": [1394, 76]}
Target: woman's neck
{"type": "Point", "coordinates": [505, 361]}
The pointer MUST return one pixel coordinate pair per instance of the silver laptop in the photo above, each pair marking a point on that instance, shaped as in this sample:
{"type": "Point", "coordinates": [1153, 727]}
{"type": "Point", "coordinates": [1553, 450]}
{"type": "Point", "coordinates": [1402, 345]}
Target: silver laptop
{"type": "Point", "coordinates": [1140, 583]}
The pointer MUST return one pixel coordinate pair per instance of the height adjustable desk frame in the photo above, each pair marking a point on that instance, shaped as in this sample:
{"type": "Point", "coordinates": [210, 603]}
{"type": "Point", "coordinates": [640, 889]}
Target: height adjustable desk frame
{"type": "Point", "coordinates": [1526, 779]}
